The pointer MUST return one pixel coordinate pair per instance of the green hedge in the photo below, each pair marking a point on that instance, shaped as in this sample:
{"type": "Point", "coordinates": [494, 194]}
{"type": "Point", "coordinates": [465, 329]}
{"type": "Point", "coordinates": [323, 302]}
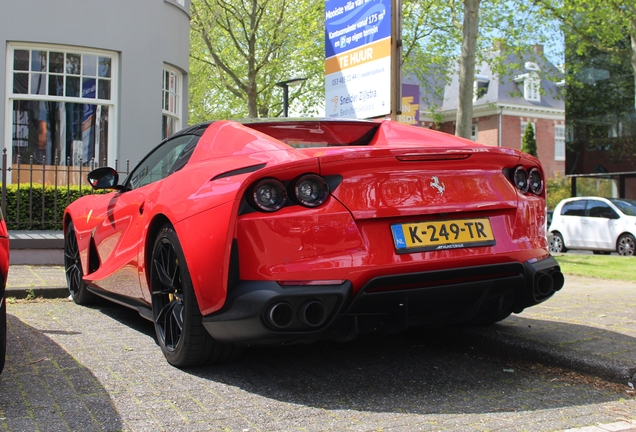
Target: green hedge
{"type": "Point", "coordinates": [36, 201]}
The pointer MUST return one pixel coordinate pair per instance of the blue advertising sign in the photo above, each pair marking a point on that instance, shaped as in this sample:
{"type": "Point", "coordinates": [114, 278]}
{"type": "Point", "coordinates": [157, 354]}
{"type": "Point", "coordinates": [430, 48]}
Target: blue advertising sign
{"type": "Point", "coordinates": [357, 58]}
{"type": "Point", "coordinates": [350, 24]}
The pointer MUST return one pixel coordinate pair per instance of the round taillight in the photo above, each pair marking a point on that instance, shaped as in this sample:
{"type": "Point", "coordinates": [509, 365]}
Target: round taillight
{"type": "Point", "coordinates": [536, 181]}
{"type": "Point", "coordinates": [311, 190]}
{"type": "Point", "coordinates": [520, 178]}
{"type": "Point", "coordinates": [269, 195]}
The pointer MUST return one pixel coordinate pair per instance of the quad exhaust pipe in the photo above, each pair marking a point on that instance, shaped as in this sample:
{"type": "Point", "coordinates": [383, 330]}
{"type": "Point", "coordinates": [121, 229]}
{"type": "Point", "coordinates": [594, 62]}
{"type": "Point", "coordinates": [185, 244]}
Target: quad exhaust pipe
{"type": "Point", "coordinates": [545, 284]}
{"type": "Point", "coordinates": [280, 315]}
{"type": "Point", "coordinates": [311, 313]}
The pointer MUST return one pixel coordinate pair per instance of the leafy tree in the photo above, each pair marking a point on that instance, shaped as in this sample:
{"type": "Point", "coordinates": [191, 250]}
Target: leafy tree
{"type": "Point", "coordinates": [557, 189]}
{"type": "Point", "coordinates": [605, 25]}
{"type": "Point", "coordinates": [444, 37]}
{"type": "Point", "coordinates": [528, 142]}
{"type": "Point", "coordinates": [600, 39]}
{"type": "Point", "coordinates": [240, 49]}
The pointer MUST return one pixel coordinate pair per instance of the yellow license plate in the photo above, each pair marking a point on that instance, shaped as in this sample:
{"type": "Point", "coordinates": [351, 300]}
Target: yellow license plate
{"type": "Point", "coordinates": [439, 235]}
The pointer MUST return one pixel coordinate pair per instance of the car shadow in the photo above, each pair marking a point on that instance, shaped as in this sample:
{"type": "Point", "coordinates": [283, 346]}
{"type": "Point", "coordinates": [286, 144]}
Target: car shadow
{"type": "Point", "coordinates": [42, 387]}
{"type": "Point", "coordinates": [587, 349]}
{"type": "Point", "coordinates": [417, 372]}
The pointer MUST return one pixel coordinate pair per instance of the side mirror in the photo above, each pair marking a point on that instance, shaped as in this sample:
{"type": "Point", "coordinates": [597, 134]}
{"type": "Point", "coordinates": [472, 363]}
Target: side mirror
{"type": "Point", "coordinates": [104, 178]}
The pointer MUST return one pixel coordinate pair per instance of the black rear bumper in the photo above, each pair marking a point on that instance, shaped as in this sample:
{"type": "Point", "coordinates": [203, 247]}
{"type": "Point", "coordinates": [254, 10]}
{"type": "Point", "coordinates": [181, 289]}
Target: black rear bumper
{"type": "Point", "coordinates": [264, 312]}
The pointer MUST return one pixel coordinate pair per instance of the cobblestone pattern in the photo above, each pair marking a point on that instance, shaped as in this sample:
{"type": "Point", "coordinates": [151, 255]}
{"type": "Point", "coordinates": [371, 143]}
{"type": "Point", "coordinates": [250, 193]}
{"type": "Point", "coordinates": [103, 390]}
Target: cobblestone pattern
{"type": "Point", "coordinates": [77, 368]}
{"type": "Point", "coordinates": [31, 276]}
{"type": "Point", "coordinates": [589, 326]}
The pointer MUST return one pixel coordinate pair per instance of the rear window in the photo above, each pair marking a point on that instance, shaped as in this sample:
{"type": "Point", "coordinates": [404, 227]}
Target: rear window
{"type": "Point", "coordinates": [303, 134]}
{"type": "Point", "coordinates": [574, 208]}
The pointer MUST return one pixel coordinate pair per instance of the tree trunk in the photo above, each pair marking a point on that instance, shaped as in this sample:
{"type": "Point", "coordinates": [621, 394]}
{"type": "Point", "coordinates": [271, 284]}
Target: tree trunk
{"type": "Point", "coordinates": [470, 31]}
{"type": "Point", "coordinates": [252, 99]}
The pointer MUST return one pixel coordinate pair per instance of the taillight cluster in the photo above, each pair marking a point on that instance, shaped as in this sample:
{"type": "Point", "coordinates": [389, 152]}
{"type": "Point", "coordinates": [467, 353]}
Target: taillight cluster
{"type": "Point", "coordinates": [268, 195]}
{"type": "Point", "coordinates": [525, 180]}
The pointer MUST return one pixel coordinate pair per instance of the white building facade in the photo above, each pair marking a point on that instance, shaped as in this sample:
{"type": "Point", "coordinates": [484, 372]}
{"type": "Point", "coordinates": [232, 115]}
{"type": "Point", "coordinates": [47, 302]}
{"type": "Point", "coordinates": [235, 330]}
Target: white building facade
{"type": "Point", "coordinates": [90, 80]}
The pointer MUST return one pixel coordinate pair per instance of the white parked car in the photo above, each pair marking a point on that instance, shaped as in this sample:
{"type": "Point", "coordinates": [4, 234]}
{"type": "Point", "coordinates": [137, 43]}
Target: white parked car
{"type": "Point", "coordinates": [602, 225]}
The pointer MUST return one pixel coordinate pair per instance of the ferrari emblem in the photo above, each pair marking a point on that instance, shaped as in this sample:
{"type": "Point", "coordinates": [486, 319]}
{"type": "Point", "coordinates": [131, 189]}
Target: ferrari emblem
{"type": "Point", "coordinates": [436, 184]}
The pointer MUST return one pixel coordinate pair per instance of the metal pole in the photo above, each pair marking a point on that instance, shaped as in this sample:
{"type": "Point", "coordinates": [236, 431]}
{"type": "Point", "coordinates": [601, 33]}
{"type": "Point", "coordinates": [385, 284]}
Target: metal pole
{"type": "Point", "coordinates": [285, 100]}
{"type": "Point", "coordinates": [285, 86]}
{"type": "Point", "coordinates": [4, 181]}
{"type": "Point", "coordinates": [396, 58]}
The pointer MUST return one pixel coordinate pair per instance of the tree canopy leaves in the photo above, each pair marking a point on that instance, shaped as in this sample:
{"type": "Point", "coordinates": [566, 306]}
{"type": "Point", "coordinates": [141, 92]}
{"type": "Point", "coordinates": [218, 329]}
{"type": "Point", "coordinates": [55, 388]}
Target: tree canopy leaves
{"type": "Point", "coordinates": [434, 32]}
{"type": "Point", "coordinates": [592, 26]}
{"type": "Point", "coordinates": [240, 49]}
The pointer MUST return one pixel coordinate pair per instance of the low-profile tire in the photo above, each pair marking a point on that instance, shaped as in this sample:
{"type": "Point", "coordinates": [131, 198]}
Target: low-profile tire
{"type": "Point", "coordinates": [181, 335]}
{"type": "Point", "coordinates": [73, 268]}
{"type": "Point", "coordinates": [557, 245]}
{"type": "Point", "coordinates": [625, 245]}
{"type": "Point", "coordinates": [3, 331]}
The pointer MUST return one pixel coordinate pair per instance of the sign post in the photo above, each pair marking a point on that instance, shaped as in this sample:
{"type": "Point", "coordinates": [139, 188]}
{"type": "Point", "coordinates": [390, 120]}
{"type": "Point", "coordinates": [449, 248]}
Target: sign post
{"type": "Point", "coordinates": [396, 60]}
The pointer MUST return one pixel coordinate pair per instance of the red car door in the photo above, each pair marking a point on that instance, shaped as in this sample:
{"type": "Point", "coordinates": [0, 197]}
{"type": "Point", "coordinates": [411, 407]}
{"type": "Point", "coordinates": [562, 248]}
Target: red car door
{"type": "Point", "coordinates": [117, 240]}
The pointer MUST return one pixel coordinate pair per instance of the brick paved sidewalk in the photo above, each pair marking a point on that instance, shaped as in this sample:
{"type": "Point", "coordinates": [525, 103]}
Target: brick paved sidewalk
{"type": "Point", "coordinates": [78, 368]}
{"type": "Point", "coordinates": [588, 326]}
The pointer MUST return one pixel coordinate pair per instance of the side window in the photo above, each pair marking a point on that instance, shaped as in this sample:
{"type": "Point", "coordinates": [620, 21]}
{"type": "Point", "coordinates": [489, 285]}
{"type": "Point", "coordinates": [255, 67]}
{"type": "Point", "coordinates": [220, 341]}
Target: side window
{"type": "Point", "coordinates": [170, 157]}
{"type": "Point", "coordinates": [599, 209]}
{"type": "Point", "coordinates": [574, 208]}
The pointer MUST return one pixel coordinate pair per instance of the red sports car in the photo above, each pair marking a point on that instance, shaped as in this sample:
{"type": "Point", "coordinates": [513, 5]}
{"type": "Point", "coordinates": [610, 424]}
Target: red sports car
{"type": "Point", "coordinates": [280, 231]}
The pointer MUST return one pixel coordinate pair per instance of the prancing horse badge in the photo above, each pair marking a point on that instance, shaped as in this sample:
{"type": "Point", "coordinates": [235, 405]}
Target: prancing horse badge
{"type": "Point", "coordinates": [436, 184]}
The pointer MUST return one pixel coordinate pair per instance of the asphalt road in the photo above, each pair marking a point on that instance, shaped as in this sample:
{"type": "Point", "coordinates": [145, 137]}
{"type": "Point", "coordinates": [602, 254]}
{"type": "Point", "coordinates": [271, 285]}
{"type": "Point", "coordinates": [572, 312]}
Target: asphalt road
{"type": "Point", "coordinates": [77, 368]}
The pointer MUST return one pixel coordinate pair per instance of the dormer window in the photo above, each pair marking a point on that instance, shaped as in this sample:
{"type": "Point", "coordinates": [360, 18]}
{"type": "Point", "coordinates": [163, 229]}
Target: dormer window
{"type": "Point", "coordinates": [480, 87]}
{"type": "Point", "coordinates": [531, 85]}
{"type": "Point", "coordinates": [531, 66]}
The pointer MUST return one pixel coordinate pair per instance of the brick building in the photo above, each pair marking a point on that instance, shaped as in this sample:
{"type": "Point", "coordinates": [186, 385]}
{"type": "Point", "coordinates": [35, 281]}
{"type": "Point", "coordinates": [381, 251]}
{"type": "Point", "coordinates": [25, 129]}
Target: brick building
{"type": "Point", "coordinates": [504, 105]}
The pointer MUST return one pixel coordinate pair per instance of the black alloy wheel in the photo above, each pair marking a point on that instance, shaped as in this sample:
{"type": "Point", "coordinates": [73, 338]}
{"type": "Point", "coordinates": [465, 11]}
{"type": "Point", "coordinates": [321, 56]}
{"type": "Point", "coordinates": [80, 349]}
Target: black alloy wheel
{"type": "Point", "coordinates": [626, 245]}
{"type": "Point", "coordinates": [557, 245]}
{"type": "Point", "coordinates": [181, 335]}
{"type": "Point", "coordinates": [73, 267]}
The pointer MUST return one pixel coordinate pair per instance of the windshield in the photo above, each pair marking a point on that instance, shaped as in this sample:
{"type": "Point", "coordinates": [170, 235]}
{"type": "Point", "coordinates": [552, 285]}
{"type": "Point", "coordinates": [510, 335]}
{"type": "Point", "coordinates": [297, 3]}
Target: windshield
{"type": "Point", "coordinates": [627, 206]}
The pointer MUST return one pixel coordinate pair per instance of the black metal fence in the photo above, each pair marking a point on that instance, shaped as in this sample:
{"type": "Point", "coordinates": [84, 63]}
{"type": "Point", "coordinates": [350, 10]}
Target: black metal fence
{"type": "Point", "coordinates": [34, 194]}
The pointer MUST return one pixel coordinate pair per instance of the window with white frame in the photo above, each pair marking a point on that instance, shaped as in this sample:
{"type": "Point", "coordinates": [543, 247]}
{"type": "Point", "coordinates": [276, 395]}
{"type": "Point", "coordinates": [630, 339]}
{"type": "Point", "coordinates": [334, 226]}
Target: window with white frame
{"type": "Point", "coordinates": [474, 129]}
{"type": "Point", "coordinates": [531, 86]}
{"type": "Point", "coordinates": [171, 113]}
{"type": "Point", "coordinates": [559, 142]}
{"type": "Point", "coordinates": [532, 89]}
{"type": "Point", "coordinates": [61, 100]}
